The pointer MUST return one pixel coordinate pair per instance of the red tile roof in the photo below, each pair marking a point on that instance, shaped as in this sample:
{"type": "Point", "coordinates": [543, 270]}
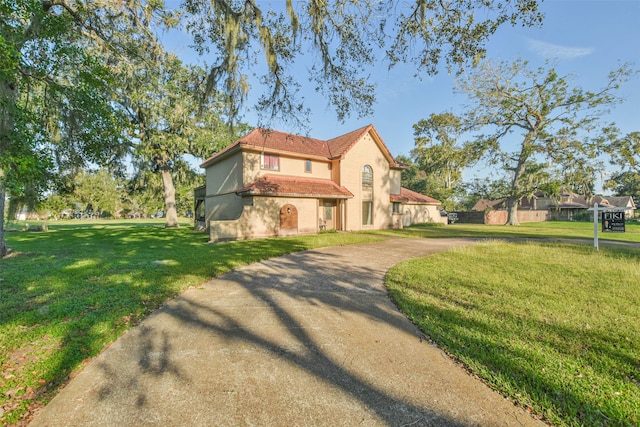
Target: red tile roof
{"type": "Point", "coordinates": [340, 145]}
{"type": "Point", "coordinates": [408, 196]}
{"type": "Point", "coordinates": [273, 140]}
{"type": "Point", "coordinates": [276, 140]}
{"type": "Point", "coordinates": [274, 185]}
{"type": "Point", "coordinates": [484, 204]}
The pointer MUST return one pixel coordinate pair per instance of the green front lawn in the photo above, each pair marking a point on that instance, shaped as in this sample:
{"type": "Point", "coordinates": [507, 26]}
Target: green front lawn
{"type": "Point", "coordinates": [528, 230]}
{"type": "Point", "coordinates": [554, 327]}
{"type": "Point", "coordinates": [69, 292]}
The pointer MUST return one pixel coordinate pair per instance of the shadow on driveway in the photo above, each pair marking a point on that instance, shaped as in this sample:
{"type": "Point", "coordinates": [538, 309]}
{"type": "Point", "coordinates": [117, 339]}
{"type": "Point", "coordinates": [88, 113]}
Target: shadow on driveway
{"type": "Point", "coordinates": [305, 339]}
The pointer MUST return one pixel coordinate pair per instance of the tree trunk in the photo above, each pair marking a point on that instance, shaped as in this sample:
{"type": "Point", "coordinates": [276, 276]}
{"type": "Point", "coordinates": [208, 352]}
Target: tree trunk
{"type": "Point", "coordinates": [512, 200]}
{"type": "Point", "coordinates": [171, 217]}
{"type": "Point", "coordinates": [512, 211]}
{"type": "Point", "coordinates": [4, 249]}
{"type": "Point", "coordinates": [8, 98]}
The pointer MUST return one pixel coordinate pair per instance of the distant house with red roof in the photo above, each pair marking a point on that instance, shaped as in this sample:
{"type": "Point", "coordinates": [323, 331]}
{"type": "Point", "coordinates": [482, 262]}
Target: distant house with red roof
{"type": "Point", "coordinates": [272, 183]}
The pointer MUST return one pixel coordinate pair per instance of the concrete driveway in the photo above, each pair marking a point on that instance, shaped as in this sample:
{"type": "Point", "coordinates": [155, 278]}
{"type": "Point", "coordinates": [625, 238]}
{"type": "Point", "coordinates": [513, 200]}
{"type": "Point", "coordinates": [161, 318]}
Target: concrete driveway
{"type": "Point", "coordinates": [308, 339]}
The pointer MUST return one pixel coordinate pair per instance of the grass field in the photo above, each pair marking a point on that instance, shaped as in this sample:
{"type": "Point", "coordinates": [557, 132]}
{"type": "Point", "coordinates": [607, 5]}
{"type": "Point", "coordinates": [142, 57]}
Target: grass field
{"type": "Point", "coordinates": [530, 230]}
{"type": "Point", "coordinates": [554, 327]}
{"type": "Point", "coordinates": [65, 294]}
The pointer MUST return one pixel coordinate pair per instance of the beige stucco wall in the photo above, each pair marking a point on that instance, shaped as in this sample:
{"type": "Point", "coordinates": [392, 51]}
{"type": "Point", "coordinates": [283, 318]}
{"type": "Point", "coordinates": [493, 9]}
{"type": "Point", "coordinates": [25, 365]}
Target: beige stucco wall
{"type": "Point", "coordinates": [289, 166]}
{"type": "Point", "coordinates": [225, 176]}
{"type": "Point", "coordinates": [224, 206]}
{"type": "Point", "coordinates": [234, 217]}
{"type": "Point", "coordinates": [395, 179]}
{"type": "Point", "coordinates": [367, 152]}
{"type": "Point", "coordinates": [260, 217]}
{"type": "Point", "coordinates": [419, 214]}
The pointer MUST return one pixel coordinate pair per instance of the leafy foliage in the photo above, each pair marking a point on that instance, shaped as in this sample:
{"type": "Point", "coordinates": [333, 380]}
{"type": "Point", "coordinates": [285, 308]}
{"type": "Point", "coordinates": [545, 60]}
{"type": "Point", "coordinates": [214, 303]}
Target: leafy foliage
{"type": "Point", "coordinates": [171, 117]}
{"type": "Point", "coordinates": [484, 189]}
{"type": "Point", "coordinates": [553, 121]}
{"type": "Point", "coordinates": [625, 184]}
{"type": "Point", "coordinates": [439, 157]}
{"type": "Point", "coordinates": [99, 192]}
{"type": "Point", "coordinates": [343, 37]}
{"type": "Point", "coordinates": [55, 87]}
{"type": "Point", "coordinates": [625, 153]}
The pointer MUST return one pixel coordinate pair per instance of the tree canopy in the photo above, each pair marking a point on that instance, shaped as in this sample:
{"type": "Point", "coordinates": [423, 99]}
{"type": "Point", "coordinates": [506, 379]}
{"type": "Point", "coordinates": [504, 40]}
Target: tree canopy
{"type": "Point", "coordinates": [170, 117]}
{"type": "Point", "coordinates": [345, 41]}
{"type": "Point", "coordinates": [625, 154]}
{"type": "Point", "coordinates": [55, 85]}
{"type": "Point", "coordinates": [440, 156]}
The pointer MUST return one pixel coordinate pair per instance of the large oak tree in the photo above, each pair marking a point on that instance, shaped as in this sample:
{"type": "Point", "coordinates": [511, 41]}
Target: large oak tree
{"type": "Point", "coordinates": [533, 117]}
{"type": "Point", "coordinates": [625, 156]}
{"type": "Point", "coordinates": [171, 117]}
{"type": "Point", "coordinates": [56, 87]}
{"type": "Point", "coordinates": [441, 155]}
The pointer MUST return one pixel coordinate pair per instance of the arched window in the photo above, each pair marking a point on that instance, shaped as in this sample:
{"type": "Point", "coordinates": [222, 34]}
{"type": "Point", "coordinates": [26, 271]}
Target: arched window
{"type": "Point", "coordinates": [367, 195]}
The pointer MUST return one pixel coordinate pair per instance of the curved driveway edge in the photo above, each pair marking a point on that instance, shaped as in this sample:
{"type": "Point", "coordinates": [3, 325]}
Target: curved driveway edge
{"type": "Point", "coordinates": [307, 339]}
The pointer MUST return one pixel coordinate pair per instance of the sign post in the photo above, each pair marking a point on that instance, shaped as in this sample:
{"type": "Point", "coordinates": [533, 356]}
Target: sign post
{"type": "Point", "coordinates": [613, 220]}
{"type": "Point", "coordinates": [595, 226]}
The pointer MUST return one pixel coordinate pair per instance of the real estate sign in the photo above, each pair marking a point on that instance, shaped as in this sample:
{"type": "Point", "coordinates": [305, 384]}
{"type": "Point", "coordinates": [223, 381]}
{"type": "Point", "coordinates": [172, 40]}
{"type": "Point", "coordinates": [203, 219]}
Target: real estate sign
{"type": "Point", "coordinates": [613, 221]}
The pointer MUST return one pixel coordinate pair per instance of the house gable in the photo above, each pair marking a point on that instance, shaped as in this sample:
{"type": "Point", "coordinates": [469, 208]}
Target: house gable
{"type": "Point", "coordinates": [273, 141]}
{"type": "Point", "coordinates": [371, 208]}
{"type": "Point", "coordinates": [341, 145]}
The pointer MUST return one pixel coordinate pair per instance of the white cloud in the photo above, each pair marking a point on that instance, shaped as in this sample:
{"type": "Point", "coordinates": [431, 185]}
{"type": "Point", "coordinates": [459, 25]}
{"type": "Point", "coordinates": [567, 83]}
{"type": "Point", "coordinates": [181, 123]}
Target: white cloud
{"type": "Point", "coordinates": [555, 51]}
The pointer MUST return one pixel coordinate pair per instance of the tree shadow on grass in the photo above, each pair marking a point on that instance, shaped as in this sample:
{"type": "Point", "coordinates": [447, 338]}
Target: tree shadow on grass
{"type": "Point", "coordinates": [512, 365]}
{"type": "Point", "coordinates": [77, 289]}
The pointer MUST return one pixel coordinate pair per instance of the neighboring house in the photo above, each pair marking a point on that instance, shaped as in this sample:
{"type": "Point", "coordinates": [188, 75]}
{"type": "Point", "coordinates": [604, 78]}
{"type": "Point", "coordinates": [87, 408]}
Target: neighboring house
{"type": "Point", "coordinates": [566, 206]}
{"type": "Point", "coordinates": [271, 183]}
{"type": "Point", "coordinates": [485, 204]}
{"type": "Point", "coordinates": [570, 204]}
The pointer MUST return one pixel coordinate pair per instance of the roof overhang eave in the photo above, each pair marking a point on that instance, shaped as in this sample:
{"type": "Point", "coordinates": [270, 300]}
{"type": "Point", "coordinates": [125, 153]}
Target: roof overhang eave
{"type": "Point", "coordinates": [423, 203]}
{"type": "Point", "coordinates": [248, 193]}
{"type": "Point", "coordinates": [221, 155]}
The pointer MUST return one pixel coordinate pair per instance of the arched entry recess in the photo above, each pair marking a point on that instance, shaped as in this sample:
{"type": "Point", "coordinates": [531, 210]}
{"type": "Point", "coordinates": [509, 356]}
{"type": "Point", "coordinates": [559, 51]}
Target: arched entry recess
{"type": "Point", "coordinates": [406, 218]}
{"type": "Point", "coordinates": [288, 220]}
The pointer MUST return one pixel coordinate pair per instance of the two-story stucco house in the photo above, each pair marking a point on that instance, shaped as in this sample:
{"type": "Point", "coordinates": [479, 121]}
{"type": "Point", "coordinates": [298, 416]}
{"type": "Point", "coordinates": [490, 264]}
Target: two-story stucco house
{"type": "Point", "coordinates": [271, 183]}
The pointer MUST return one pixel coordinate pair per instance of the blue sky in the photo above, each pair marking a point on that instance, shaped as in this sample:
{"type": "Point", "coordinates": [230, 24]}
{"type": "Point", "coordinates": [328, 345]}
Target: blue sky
{"type": "Point", "coordinates": [585, 38]}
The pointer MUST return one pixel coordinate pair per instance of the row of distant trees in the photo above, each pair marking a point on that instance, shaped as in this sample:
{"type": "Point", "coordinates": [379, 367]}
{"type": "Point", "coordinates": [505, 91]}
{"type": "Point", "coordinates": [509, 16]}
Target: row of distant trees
{"type": "Point", "coordinates": [533, 129]}
{"type": "Point", "coordinates": [100, 194]}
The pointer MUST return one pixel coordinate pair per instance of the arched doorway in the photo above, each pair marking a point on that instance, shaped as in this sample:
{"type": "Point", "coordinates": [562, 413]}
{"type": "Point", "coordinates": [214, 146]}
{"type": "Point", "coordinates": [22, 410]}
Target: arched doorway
{"type": "Point", "coordinates": [406, 218]}
{"type": "Point", "coordinates": [288, 220]}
